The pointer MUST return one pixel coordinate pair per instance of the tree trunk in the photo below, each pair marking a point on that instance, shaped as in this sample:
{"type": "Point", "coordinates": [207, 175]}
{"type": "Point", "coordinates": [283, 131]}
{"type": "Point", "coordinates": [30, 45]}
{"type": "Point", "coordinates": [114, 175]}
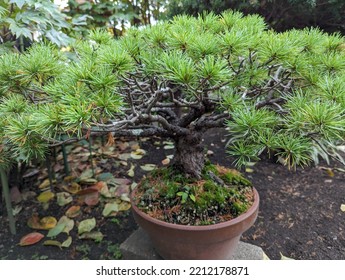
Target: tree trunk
{"type": "Point", "coordinates": [190, 157]}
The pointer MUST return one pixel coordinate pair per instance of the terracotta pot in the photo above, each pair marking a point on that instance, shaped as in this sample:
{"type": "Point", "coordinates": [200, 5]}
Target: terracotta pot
{"type": "Point", "coordinates": [217, 241]}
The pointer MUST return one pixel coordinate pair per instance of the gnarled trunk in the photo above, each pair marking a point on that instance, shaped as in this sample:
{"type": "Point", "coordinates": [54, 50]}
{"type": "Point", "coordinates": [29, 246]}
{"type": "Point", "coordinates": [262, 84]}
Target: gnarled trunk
{"type": "Point", "coordinates": [190, 157]}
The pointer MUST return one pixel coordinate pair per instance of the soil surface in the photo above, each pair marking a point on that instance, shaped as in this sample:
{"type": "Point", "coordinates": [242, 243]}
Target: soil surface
{"type": "Point", "coordinates": [299, 217]}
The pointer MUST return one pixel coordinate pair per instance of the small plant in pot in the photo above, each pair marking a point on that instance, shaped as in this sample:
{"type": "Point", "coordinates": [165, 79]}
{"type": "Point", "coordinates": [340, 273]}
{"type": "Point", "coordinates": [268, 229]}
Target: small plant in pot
{"type": "Point", "coordinates": [276, 93]}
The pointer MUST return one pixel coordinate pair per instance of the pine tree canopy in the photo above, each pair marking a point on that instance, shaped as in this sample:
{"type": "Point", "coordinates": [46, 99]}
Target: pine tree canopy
{"type": "Point", "coordinates": [282, 93]}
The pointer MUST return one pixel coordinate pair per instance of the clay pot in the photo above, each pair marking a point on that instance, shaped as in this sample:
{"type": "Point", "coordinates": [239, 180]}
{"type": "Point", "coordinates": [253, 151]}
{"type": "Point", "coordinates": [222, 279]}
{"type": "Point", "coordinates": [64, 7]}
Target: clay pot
{"type": "Point", "coordinates": [177, 242]}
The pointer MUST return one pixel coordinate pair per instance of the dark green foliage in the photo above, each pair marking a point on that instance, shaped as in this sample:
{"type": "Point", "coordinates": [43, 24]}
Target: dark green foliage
{"type": "Point", "coordinates": [277, 92]}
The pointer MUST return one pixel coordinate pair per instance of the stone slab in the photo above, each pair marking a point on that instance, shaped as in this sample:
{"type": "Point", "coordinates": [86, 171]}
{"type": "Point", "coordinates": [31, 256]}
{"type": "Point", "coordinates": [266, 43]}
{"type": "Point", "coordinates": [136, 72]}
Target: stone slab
{"type": "Point", "coordinates": [138, 247]}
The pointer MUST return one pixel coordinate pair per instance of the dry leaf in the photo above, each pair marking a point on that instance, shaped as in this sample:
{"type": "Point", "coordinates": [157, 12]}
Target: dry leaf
{"type": "Point", "coordinates": [148, 167]}
{"type": "Point", "coordinates": [63, 198]}
{"type": "Point", "coordinates": [73, 188]}
{"type": "Point", "coordinates": [52, 243]}
{"type": "Point", "coordinates": [68, 224]}
{"type": "Point", "coordinates": [44, 184]}
{"type": "Point", "coordinates": [44, 197]}
{"type": "Point", "coordinates": [48, 222]}
{"type": "Point", "coordinates": [166, 161]}
{"type": "Point", "coordinates": [111, 139]}
{"type": "Point", "coordinates": [130, 172]}
{"type": "Point", "coordinates": [67, 242]}
{"type": "Point", "coordinates": [31, 238]}
{"type": "Point", "coordinates": [92, 199]}
{"type": "Point", "coordinates": [94, 235]}
{"type": "Point", "coordinates": [342, 207]}
{"type": "Point", "coordinates": [73, 212]}
{"type": "Point", "coordinates": [282, 257]}
{"type": "Point", "coordinates": [86, 225]}
{"type": "Point", "coordinates": [109, 208]}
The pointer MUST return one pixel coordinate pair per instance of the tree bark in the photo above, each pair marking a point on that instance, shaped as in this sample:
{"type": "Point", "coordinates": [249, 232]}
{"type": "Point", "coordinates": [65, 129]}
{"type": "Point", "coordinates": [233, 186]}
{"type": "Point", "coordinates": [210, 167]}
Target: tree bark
{"type": "Point", "coordinates": [190, 157]}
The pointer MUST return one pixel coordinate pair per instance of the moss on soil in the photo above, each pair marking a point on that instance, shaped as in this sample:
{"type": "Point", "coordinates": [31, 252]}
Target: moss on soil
{"type": "Point", "coordinates": [220, 195]}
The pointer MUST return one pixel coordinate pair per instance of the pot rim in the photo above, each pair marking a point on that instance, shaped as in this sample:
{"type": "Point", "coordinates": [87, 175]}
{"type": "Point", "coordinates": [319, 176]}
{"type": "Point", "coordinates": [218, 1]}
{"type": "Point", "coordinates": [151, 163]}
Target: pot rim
{"type": "Point", "coordinates": [251, 211]}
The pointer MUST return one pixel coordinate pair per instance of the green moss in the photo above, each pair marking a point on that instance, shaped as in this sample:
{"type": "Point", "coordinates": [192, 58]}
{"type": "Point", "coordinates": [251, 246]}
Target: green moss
{"type": "Point", "coordinates": [179, 196]}
{"type": "Point", "coordinates": [232, 178]}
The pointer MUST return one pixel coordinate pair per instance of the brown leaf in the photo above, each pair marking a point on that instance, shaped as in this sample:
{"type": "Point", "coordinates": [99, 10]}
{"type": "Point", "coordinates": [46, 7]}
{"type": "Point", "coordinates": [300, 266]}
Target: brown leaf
{"type": "Point", "coordinates": [30, 239]}
{"type": "Point", "coordinates": [92, 199]}
{"type": "Point", "coordinates": [87, 191]}
{"type": "Point", "coordinates": [73, 211]}
{"type": "Point", "coordinates": [48, 222]}
{"type": "Point", "coordinates": [111, 139]}
{"type": "Point", "coordinates": [73, 188]}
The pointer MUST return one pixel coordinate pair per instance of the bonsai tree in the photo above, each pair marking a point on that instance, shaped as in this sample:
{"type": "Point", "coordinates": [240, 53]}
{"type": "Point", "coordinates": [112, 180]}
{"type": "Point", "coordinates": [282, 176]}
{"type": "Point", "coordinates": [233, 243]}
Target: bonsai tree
{"type": "Point", "coordinates": [276, 93]}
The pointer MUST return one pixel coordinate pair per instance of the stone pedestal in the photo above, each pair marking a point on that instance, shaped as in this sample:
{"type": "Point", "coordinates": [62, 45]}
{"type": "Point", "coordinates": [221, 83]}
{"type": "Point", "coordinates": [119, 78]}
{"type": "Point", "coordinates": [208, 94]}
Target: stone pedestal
{"type": "Point", "coordinates": [138, 247]}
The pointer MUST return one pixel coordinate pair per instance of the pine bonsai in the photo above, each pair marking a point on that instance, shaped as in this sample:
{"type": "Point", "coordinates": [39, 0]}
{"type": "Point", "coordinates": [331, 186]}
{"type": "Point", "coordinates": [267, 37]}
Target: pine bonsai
{"type": "Point", "coordinates": [280, 93]}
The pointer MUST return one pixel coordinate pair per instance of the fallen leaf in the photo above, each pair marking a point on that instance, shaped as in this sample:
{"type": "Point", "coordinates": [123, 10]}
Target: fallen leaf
{"type": "Point", "coordinates": [52, 243]}
{"type": "Point", "coordinates": [148, 167]}
{"type": "Point", "coordinates": [15, 194]}
{"type": "Point", "coordinates": [99, 186]}
{"type": "Point", "coordinates": [170, 156]}
{"type": "Point", "coordinates": [87, 191]}
{"type": "Point", "coordinates": [130, 172]}
{"type": "Point", "coordinates": [73, 211]}
{"type": "Point", "coordinates": [265, 257]}
{"type": "Point", "coordinates": [16, 210]}
{"type": "Point", "coordinates": [109, 208]}
{"type": "Point", "coordinates": [138, 154]}
{"type": "Point", "coordinates": [26, 195]}
{"type": "Point", "coordinates": [86, 225]}
{"type": "Point", "coordinates": [120, 181]}
{"type": "Point", "coordinates": [124, 156]}
{"type": "Point", "coordinates": [210, 153]}
{"type": "Point", "coordinates": [89, 181]}
{"type": "Point", "coordinates": [342, 207]}
{"type": "Point", "coordinates": [56, 230]}
{"type": "Point", "coordinates": [282, 257]}
{"type": "Point", "coordinates": [134, 146]}
{"type": "Point", "coordinates": [166, 161]}
{"type": "Point", "coordinates": [330, 172]}
{"type": "Point", "coordinates": [123, 145]}
{"type": "Point", "coordinates": [34, 222]}
{"type": "Point", "coordinates": [67, 242]}
{"type": "Point", "coordinates": [105, 191]}
{"type": "Point", "coordinates": [134, 185]}
{"type": "Point", "coordinates": [87, 174]}
{"type": "Point", "coordinates": [125, 197]}
{"type": "Point", "coordinates": [48, 223]}
{"type": "Point", "coordinates": [124, 206]}
{"type": "Point", "coordinates": [58, 167]}
{"type": "Point", "coordinates": [94, 235]}
{"type": "Point", "coordinates": [45, 184]}
{"type": "Point", "coordinates": [73, 188]}
{"type": "Point", "coordinates": [44, 197]}
{"type": "Point", "coordinates": [249, 170]}
{"type": "Point", "coordinates": [92, 199]}
{"type": "Point", "coordinates": [168, 147]}
{"type": "Point", "coordinates": [135, 156]}
{"type": "Point", "coordinates": [63, 198]}
{"type": "Point", "coordinates": [120, 190]}
{"type": "Point", "coordinates": [105, 176]}
{"type": "Point", "coordinates": [31, 238]}
{"type": "Point", "coordinates": [67, 222]}
{"type": "Point", "coordinates": [68, 179]}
